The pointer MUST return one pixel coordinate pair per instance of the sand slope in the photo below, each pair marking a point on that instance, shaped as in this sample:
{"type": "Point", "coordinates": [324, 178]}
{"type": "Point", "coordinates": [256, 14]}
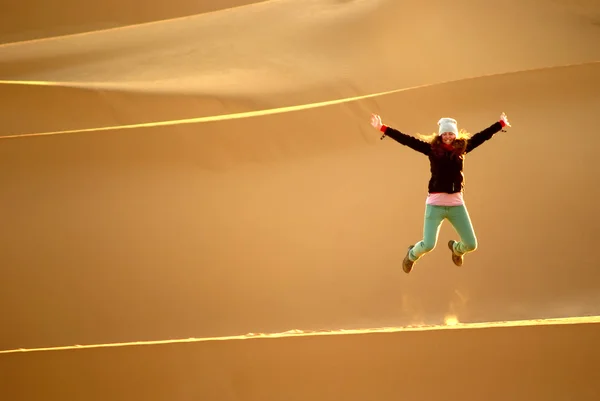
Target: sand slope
{"type": "Point", "coordinates": [280, 53]}
{"type": "Point", "coordinates": [38, 19]}
{"type": "Point", "coordinates": [289, 46]}
{"type": "Point", "coordinates": [240, 226]}
{"type": "Point", "coordinates": [296, 220]}
{"type": "Point", "coordinates": [293, 220]}
{"type": "Point", "coordinates": [517, 363]}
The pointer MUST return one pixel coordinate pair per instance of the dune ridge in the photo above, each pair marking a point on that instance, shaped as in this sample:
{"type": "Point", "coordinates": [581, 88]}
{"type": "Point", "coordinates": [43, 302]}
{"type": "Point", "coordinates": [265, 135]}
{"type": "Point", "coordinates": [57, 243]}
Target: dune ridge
{"type": "Point", "coordinates": [541, 362]}
{"type": "Point", "coordinates": [20, 25]}
{"type": "Point", "coordinates": [451, 323]}
{"type": "Point", "coordinates": [266, 112]}
{"type": "Point", "coordinates": [284, 47]}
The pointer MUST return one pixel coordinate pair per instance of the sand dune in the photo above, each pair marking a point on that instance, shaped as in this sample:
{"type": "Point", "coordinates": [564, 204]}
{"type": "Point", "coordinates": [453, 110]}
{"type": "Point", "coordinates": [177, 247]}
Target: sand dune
{"type": "Point", "coordinates": [282, 53]}
{"type": "Point", "coordinates": [517, 363]}
{"type": "Point", "coordinates": [297, 220]}
{"type": "Point", "coordinates": [182, 227]}
{"type": "Point", "coordinates": [38, 19]}
{"type": "Point", "coordinates": [284, 47]}
{"type": "Point", "coordinates": [30, 109]}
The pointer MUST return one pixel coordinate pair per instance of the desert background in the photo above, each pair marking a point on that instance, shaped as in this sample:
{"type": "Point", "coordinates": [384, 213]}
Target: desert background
{"type": "Point", "coordinates": [207, 169]}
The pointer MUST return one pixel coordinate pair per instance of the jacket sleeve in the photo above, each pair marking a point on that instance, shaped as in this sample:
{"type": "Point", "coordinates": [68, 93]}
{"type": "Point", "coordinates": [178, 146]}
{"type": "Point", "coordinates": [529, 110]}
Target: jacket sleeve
{"type": "Point", "coordinates": [407, 140]}
{"type": "Point", "coordinates": [483, 136]}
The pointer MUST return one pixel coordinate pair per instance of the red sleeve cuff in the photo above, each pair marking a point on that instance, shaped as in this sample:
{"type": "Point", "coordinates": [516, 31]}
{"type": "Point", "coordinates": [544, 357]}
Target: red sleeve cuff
{"type": "Point", "coordinates": [383, 128]}
{"type": "Point", "coordinates": [502, 123]}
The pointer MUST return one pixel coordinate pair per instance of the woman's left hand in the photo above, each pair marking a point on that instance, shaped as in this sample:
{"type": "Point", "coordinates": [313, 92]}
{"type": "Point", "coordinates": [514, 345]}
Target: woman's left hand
{"type": "Point", "coordinates": [505, 119]}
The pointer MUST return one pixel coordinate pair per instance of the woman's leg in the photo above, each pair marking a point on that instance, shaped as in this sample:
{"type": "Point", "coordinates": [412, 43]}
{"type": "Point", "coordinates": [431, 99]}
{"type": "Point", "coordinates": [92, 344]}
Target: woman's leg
{"type": "Point", "coordinates": [434, 215]}
{"type": "Point", "coordinates": [461, 221]}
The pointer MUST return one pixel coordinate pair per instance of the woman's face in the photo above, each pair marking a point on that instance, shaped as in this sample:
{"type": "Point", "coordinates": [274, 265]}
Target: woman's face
{"type": "Point", "coordinates": [448, 137]}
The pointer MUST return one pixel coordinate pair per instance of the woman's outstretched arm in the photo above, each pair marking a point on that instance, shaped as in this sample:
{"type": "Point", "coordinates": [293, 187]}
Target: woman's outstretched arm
{"type": "Point", "coordinates": [406, 140]}
{"type": "Point", "coordinates": [487, 133]}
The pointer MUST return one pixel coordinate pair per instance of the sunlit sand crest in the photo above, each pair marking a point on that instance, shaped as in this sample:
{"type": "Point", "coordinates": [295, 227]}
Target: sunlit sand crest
{"type": "Point", "coordinates": [233, 116]}
{"type": "Point", "coordinates": [451, 322]}
{"type": "Point", "coordinates": [132, 26]}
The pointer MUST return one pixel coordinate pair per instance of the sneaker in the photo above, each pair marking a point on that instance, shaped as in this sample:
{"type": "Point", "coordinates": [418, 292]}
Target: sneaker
{"type": "Point", "coordinates": [458, 260]}
{"type": "Point", "coordinates": [407, 264]}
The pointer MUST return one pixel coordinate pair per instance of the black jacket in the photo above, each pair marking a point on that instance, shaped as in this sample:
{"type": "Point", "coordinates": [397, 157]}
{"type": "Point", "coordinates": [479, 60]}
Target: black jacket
{"type": "Point", "coordinates": [446, 167]}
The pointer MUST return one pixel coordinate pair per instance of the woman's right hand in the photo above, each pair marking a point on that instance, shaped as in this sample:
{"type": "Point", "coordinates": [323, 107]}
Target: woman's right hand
{"type": "Point", "coordinates": [376, 122]}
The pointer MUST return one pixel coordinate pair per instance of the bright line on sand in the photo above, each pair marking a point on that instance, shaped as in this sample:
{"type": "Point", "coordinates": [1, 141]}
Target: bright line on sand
{"type": "Point", "coordinates": [300, 333]}
{"type": "Point", "coordinates": [221, 117]}
{"type": "Point", "coordinates": [234, 116]}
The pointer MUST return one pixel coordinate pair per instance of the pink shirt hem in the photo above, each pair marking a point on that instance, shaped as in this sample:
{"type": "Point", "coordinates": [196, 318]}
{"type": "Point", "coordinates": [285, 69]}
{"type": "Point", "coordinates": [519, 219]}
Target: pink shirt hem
{"type": "Point", "coordinates": [444, 199]}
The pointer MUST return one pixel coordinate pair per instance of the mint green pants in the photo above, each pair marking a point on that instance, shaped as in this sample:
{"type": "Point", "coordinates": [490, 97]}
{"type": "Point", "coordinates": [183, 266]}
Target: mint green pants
{"type": "Point", "coordinates": [434, 216]}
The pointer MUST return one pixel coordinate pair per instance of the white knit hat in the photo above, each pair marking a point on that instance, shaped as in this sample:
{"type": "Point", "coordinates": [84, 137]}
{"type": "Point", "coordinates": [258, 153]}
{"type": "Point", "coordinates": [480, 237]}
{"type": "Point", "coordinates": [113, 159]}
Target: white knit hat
{"type": "Point", "coordinates": [447, 125]}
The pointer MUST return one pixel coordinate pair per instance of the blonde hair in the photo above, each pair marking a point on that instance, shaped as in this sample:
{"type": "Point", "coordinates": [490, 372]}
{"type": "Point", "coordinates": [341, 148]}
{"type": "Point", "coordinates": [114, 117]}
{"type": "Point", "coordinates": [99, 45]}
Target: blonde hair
{"type": "Point", "coordinates": [459, 144]}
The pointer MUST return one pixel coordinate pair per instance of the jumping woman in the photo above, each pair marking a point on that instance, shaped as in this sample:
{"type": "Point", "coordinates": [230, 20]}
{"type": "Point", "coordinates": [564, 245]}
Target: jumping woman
{"type": "Point", "coordinates": [446, 151]}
